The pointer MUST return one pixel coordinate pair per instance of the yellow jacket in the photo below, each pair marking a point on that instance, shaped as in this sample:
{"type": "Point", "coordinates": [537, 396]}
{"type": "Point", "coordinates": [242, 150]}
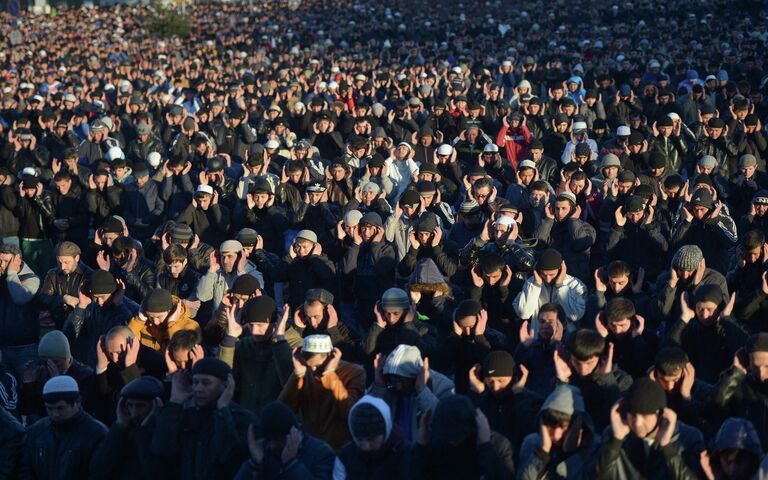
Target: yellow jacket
{"type": "Point", "coordinates": [156, 337]}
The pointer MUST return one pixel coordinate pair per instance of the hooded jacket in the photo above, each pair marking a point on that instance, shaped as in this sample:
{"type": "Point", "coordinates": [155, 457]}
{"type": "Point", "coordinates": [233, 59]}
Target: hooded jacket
{"type": "Point", "coordinates": [389, 462]}
{"type": "Point", "coordinates": [535, 464]}
{"type": "Point", "coordinates": [157, 337]}
{"type": "Point", "coordinates": [744, 395]}
{"type": "Point", "coordinates": [405, 361]}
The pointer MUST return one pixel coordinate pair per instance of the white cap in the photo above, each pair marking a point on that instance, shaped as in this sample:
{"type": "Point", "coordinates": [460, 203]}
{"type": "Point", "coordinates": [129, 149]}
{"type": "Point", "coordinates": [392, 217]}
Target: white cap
{"type": "Point", "coordinates": [710, 77]}
{"type": "Point", "coordinates": [456, 70]}
{"type": "Point", "coordinates": [154, 159]}
{"type": "Point", "coordinates": [29, 171]}
{"type": "Point", "coordinates": [114, 153]}
{"type": "Point", "coordinates": [272, 144]}
{"type": "Point", "coordinates": [70, 98]}
{"type": "Point", "coordinates": [654, 63]}
{"type": "Point", "coordinates": [579, 126]}
{"type": "Point", "coordinates": [317, 344]}
{"type": "Point", "coordinates": [60, 384]}
{"type": "Point", "coordinates": [623, 131]}
{"type": "Point", "coordinates": [526, 164]}
{"type": "Point", "coordinates": [299, 105]}
{"type": "Point", "coordinates": [506, 63]}
{"type": "Point", "coordinates": [444, 149]}
{"type": "Point", "coordinates": [491, 148]}
{"type": "Point", "coordinates": [202, 188]}
{"type": "Point", "coordinates": [37, 98]}
{"type": "Point", "coordinates": [673, 116]}
{"type": "Point", "coordinates": [505, 220]}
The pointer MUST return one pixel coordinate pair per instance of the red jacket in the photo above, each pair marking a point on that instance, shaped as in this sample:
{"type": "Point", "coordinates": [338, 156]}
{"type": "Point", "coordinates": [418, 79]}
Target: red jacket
{"type": "Point", "coordinates": [515, 143]}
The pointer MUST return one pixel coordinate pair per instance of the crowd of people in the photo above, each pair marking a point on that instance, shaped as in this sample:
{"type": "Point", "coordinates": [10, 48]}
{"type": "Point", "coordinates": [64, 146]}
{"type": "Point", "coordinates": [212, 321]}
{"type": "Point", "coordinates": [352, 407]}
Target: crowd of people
{"type": "Point", "coordinates": [369, 240]}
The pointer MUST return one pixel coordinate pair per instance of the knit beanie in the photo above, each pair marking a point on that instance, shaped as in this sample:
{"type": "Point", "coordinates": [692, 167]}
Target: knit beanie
{"type": "Point", "coordinates": [550, 259]}
{"type": "Point", "coordinates": [277, 420]}
{"type": "Point", "coordinates": [158, 300]}
{"type": "Point", "coordinates": [366, 421]}
{"type": "Point", "coordinates": [708, 293]}
{"type": "Point", "coordinates": [499, 364]}
{"type": "Point", "coordinates": [427, 222]}
{"type": "Point", "coordinates": [60, 387]}
{"type": "Point", "coordinates": [687, 258]}
{"type": "Point", "coordinates": [410, 198]}
{"type": "Point", "coordinates": [181, 233]}
{"type": "Point", "coordinates": [212, 366]}
{"type": "Point", "coordinates": [645, 397]}
{"type": "Point", "coordinates": [395, 299]}
{"type": "Point", "coordinates": [54, 344]}
{"type": "Point", "coordinates": [703, 197]}
{"type": "Point", "coordinates": [260, 309]}
{"type": "Point", "coordinates": [102, 283]}
{"type": "Point", "coordinates": [246, 285]}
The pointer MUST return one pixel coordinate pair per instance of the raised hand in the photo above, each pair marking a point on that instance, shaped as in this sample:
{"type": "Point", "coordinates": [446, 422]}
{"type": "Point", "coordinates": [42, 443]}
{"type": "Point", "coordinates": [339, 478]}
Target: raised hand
{"type": "Point", "coordinates": [619, 427]}
{"type": "Point", "coordinates": [475, 384]}
{"type": "Point", "coordinates": [422, 378]}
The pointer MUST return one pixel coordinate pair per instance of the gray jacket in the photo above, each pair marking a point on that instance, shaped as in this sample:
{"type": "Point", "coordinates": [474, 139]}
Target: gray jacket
{"type": "Point", "coordinates": [213, 285]}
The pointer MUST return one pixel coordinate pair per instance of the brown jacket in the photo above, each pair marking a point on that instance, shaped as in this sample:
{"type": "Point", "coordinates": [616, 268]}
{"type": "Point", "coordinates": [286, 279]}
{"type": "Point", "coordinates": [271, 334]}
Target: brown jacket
{"type": "Point", "coordinates": [324, 401]}
{"type": "Point", "coordinates": [157, 337]}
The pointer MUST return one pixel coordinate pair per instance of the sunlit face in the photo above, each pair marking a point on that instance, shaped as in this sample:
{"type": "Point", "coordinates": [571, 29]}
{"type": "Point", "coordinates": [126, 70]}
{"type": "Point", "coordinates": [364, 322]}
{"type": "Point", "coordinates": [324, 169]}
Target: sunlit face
{"type": "Point", "coordinates": [314, 314]}
{"type": "Point", "coordinates": [261, 199]}
{"type": "Point", "coordinates": [562, 209]}
{"type": "Point", "coordinates": [617, 284]}
{"type": "Point", "coordinates": [620, 327]}
{"type": "Point", "coordinates": [748, 171]}
{"type": "Point", "coordinates": [176, 268]}
{"type": "Point", "coordinates": [557, 433]}
{"type": "Point", "coordinates": [101, 181]}
{"type": "Point", "coordinates": [665, 131]}
{"type": "Point", "coordinates": [156, 318]}
{"type": "Point", "coordinates": [547, 322]}
{"type": "Point", "coordinates": [63, 186]}
{"type": "Point", "coordinates": [527, 175]}
{"type": "Point", "coordinates": [303, 247]}
{"type": "Point", "coordinates": [635, 217]}
{"type": "Point", "coordinates": [549, 276]}
{"type": "Point", "coordinates": [705, 311]}
{"type": "Point", "coordinates": [668, 382]}
{"type": "Point", "coordinates": [759, 365]}
{"type": "Point", "coordinates": [68, 264]}
{"type": "Point", "coordinates": [392, 316]}
{"type": "Point", "coordinates": [482, 194]}
{"type": "Point", "coordinates": [761, 209]}
{"type": "Point", "coordinates": [204, 200]}
{"type": "Point", "coordinates": [493, 278]}
{"type": "Point", "coordinates": [116, 347]}
{"type": "Point", "coordinates": [576, 186]}
{"type": "Point", "coordinates": [367, 232]}
{"type": "Point", "coordinates": [584, 368]}
{"type": "Point", "coordinates": [229, 260]}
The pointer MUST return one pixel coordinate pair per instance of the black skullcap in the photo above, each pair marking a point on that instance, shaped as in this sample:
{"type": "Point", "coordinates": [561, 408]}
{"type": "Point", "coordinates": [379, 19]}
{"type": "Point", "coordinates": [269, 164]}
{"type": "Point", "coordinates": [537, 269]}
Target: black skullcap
{"type": "Point", "coordinates": [708, 293]}
{"type": "Point", "coordinates": [158, 300]}
{"type": "Point", "coordinates": [212, 366]}
{"type": "Point", "coordinates": [102, 283]}
{"type": "Point", "coordinates": [112, 225]}
{"type": "Point", "coordinates": [665, 121]}
{"type": "Point", "coordinates": [277, 420]}
{"type": "Point", "coordinates": [467, 308]}
{"type": "Point", "coordinates": [427, 222]}
{"type": "Point", "coordinates": [716, 122]}
{"type": "Point", "coordinates": [498, 364]}
{"type": "Point", "coordinates": [550, 259]}
{"type": "Point", "coordinates": [144, 388]}
{"type": "Point", "coordinates": [410, 198]}
{"type": "Point", "coordinates": [260, 309]}
{"type": "Point", "coordinates": [634, 204]}
{"type": "Point", "coordinates": [246, 285]}
{"type": "Point", "coordinates": [645, 397]}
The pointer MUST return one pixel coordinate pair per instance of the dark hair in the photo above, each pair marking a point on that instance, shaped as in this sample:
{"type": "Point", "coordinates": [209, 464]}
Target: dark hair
{"type": "Point", "coordinates": [670, 360]}
{"type": "Point", "coordinates": [61, 175]}
{"type": "Point", "coordinates": [174, 253]}
{"type": "Point", "coordinates": [184, 340]}
{"type": "Point", "coordinates": [585, 344]}
{"type": "Point", "coordinates": [672, 181]}
{"type": "Point", "coordinates": [482, 183]}
{"type": "Point", "coordinates": [490, 263]}
{"type": "Point", "coordinates": [551, 307]}
{"type": "Point", "coordinates": [618, 268]}
{"type": "Point", "coordinates": [70, 398]}
{"type": "Point", "coordinates": [553, 418]}
{"type": "Point", "coordinates": [295, 166]}
{"type": "Point", "coordinates": [579, 175]}
{"type": "Point", "coordinates": [540, 185]}
{"type": "Point", "coordinates": [618, 309]}
{"type": "Point", "coordinates": [753, 239]}
{"type": "Point", "coordinates": [123, 246]}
